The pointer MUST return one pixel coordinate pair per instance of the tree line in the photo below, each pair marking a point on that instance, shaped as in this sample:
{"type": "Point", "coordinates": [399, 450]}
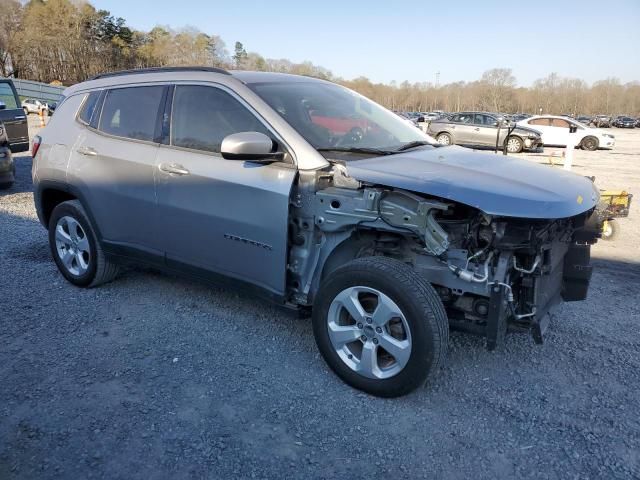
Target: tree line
{"type": "Point", "coordinates": [65, 41]}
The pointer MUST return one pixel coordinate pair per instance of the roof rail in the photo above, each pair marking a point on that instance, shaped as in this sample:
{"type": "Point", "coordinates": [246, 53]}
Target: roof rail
{"type": "Point", "coordinates": [160, 70]}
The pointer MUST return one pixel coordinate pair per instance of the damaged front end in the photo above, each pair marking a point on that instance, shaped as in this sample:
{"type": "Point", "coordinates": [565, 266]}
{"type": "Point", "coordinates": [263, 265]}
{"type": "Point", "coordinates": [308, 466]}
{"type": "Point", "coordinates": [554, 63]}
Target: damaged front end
{"type": "Point", "coordinates": [493, 272]}
{"type": "Point", "coordinates": [510, 273]}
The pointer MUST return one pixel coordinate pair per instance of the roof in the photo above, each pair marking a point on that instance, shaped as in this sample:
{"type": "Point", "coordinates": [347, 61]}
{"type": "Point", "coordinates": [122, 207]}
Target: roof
{"type": "Point", "coordinates": [263, 77]}
{"type": "Point", "coordinates": [168, 74]}
{"type": "Point", "coordinates": [139, 71]}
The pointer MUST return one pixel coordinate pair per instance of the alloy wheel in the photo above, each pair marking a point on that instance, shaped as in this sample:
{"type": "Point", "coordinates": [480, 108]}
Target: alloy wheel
{"type": "Point", "coordinates": [513, 145]}
{"type": "Point", "coordinates": [72, 245]}
{"type": "Point", "coordinates": [369, 332]}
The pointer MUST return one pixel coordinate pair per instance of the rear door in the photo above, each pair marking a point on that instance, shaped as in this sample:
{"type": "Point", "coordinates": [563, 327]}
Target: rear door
{"type": "Point", "coordinates": [113, 162]}
{"type": "Point", "coordinates": [226, 216]}
{"type": "Point", "coordinates": [13, 117]}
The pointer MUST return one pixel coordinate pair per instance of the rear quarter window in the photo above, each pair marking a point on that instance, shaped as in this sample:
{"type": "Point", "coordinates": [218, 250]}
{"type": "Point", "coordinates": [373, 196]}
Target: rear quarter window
{"type": "Point", "coordinates": [89, 107]}
{"type": "Point", "coordinates": [131, 112]}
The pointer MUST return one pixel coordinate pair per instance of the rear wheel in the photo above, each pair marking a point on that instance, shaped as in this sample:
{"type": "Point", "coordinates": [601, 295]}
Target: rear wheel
{"type": "Point", "coordinates": [589, 143]}
{"type": "Point", "coordinates": [379, 326]}
{"type": "Point", "coordinates": [514, 145]}
{"type": "Point", "coordinates": [444, 139]}
{"type": "Point", "coordinates": [75, 247]}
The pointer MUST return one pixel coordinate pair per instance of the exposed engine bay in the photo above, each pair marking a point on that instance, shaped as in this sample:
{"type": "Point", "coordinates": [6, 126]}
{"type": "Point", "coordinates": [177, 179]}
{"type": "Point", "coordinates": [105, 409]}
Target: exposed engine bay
{"type": "Point", "coordinates": [493, 273]}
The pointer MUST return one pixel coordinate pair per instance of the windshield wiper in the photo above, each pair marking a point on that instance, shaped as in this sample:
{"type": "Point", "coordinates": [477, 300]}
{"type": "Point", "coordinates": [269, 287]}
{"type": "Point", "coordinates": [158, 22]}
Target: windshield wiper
{"type": "Point", "coordinates": [418, 143]}
{"type": "Point", "coordinates": [375, 151]}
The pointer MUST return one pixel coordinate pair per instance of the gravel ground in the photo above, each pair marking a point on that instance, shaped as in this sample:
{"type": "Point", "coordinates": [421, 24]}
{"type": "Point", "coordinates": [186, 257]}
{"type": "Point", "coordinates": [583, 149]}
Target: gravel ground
{"type": "Point", "coordinates": [153, 376]}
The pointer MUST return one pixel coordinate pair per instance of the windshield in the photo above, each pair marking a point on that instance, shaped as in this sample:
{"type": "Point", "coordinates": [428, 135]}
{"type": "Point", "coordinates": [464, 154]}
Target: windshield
{"type": "Point", "coordinates": [329, 117]}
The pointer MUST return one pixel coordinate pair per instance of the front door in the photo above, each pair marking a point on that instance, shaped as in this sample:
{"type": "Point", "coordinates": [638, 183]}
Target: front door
{"type": "Point", "coordinates": [559, 131]}
{"type": "Point", "coordinates": [543, 125]}
{"type": "Point", "coordinates": [13, 118]}
{"type": "Point", "coordinates": [226, 216]}
{"type": "Point", "coordinates": [486, 130]}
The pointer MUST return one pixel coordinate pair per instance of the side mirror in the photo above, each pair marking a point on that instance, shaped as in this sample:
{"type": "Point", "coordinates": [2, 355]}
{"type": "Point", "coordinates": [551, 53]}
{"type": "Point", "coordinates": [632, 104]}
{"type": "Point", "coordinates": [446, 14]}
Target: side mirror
{"type": "Point", "coordinates": [251, 146]}
{"type": "Point", "coordinates": [3, 105]}
{"type": "Point", "coordinates": [421, 120]}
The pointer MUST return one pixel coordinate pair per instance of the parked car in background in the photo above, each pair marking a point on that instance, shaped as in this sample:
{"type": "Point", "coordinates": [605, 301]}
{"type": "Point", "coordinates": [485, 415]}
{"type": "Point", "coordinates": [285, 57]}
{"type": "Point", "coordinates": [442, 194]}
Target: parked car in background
{"type": "Point", "coordinates": [602, 121]}
{"type": "Point", "coordinates": [7, 167]}
{"type": "Point", "coordinates": [624, 122]}
{"type": "Point", "coordinates": [638, 122]}
{"type": "Point", "coordinates": [13, 117]}
{"type": "Point", "coordinates": [386, 240]}
{"type": "Point", "coordinates": [516, 117]}
{"type": "Point", "coordinates": [410, 121]}
{"type": "Point", "coordinates": [583, 119]}
{"type": "Point", "coordinates": [556, 131]}
{"type": "Point", "coordinates": [481, 129]}
{"type": "Point", "coordinates": [430, 116]}
{"type": "Point", "coordinates": [33, 106]}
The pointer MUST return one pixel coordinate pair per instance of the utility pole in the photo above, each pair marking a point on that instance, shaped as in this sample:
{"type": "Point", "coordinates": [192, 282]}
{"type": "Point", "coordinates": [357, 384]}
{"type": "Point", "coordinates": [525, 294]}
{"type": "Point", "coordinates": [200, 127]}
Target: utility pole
{"type": "Point", "coordinates": [437, 87]}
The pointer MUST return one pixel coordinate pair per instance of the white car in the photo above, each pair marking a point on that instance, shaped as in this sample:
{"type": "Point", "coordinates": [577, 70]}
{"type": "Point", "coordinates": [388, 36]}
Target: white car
{"type": "Point", "coordinates": [33, 106]}
{"type": "Point", "coordinates": [556, 132]}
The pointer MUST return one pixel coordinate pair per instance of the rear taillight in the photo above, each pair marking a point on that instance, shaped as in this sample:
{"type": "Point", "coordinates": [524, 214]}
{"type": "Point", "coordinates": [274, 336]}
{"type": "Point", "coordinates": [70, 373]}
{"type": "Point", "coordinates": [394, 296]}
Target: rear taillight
{"type": "Point", "coordinates": [36, 145]}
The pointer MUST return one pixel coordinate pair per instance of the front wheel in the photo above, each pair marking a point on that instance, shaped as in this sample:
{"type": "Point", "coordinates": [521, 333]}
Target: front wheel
{"type": "Point", "coordinates": [514, 145]}
{"type": "Point", "coordinates": [380, 326]}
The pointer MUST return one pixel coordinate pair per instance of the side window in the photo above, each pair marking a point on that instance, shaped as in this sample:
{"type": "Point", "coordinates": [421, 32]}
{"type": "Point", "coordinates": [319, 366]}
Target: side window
{"type": "Point", "coordinates": [558, 122]}
{"type": "Point", "coordinates": [481, 119]}
{"type": "Point", "coordinates": [466, 118]}
{"type": "Point", "coordinates": [7, 97]}
{"type": "Point", "coordinates": [88, 107]}
{"type": "Point", "coordinates": [202, 116]}
{"type": "Point", "coordinates": [131, 112]}
{"type": "Point", "coordinates": [543, 122]}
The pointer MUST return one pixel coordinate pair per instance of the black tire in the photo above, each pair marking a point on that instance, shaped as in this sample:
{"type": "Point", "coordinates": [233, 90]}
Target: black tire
{"type": "Point", "coordinates": [419, 303]}
{"type": "Point", "coordinates": [100, 270]}
{"type": "Point", "coordinates": [449, 140]}
{"type": "Point", "coordinates": [610, 230]}
{"type": "Point", "coordinates": [517, 142]}
{"type": "Point", "coordinates": [589, 143]}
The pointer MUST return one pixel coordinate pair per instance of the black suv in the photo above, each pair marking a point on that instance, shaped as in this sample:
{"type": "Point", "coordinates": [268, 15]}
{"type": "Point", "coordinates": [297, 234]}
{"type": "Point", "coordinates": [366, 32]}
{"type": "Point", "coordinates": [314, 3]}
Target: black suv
{"type": "Point", "coordinates": [13, 117]}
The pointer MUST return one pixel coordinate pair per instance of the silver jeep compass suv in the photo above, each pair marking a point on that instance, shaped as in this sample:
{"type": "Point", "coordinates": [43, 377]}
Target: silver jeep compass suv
{"type": "Point", "coordinates": [321, 200]}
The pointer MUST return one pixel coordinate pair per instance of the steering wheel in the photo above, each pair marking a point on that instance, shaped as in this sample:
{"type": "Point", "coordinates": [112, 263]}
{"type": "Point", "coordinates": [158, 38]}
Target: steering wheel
{"type": "Point", "coordinates": [353, 136]}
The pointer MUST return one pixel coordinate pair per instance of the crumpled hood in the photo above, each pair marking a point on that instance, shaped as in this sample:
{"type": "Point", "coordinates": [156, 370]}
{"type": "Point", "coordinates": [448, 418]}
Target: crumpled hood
{"type": "Point", "coordinates": [496, 184]}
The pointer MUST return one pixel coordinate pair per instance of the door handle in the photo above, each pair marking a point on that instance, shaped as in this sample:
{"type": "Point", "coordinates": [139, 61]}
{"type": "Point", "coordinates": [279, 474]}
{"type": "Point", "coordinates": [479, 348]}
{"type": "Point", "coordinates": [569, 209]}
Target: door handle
{"type": "Point", "coordinates": [21, 118]}
{"type": "Point", "coordinates": [173, 169]}
{"type": "Point", "coordinates": [88, 151]}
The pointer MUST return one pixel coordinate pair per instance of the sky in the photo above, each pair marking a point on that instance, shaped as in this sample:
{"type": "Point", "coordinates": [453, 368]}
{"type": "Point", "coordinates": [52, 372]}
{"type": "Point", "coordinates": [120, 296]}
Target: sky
{"type": "Point", "coordinates": [413, 40]}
